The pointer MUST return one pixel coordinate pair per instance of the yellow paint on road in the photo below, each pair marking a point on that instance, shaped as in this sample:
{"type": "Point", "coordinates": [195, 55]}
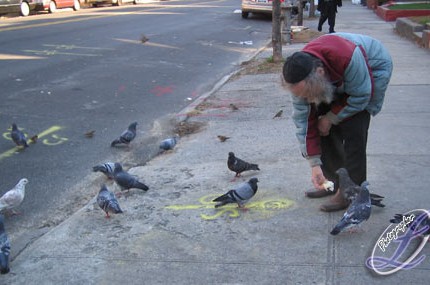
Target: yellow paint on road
{"type": "Point", "coordinates": [265, 207]}
{"type": "Point", "coordinates": [54, 140]}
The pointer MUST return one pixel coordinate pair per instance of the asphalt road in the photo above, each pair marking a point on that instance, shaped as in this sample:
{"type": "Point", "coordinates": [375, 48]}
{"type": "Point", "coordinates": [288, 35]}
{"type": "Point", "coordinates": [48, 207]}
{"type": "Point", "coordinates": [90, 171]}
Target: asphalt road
{"type": "Point", "coordinates": [65, 74]}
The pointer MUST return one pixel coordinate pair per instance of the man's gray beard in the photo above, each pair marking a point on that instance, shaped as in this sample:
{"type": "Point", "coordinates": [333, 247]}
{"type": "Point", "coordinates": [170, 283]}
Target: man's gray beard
{"type": "Point", "coordinates": [322, 90]}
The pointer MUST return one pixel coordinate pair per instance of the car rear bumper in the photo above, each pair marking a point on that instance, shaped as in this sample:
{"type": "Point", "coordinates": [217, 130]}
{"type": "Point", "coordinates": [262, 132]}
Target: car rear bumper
{"type": "Point", "coordinates": [248, 6]}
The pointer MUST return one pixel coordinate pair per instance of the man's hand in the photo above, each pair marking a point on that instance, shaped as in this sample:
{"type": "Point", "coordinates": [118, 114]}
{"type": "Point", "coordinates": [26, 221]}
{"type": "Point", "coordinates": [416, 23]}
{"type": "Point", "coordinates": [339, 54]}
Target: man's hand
{"type": "Point", "coordinates": [318, 177]}
{"type": "Point", "coordinates": [324, 126]}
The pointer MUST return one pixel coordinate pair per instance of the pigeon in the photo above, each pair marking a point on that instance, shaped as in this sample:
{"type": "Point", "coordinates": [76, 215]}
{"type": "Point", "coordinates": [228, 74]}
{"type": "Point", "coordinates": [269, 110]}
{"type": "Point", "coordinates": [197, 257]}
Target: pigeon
{"type": "Point", "coordinates": [222, 138]}
{"type": "Point", "coordinates": [14, 197]}
{"type": "Point", "coordinates": [233, 107]}
{"type": "Point", "coordinates": [105, 168]}
{"type": "Point", "coordinates": [108, 202]}
{"type": "Point", "coordinates": [398, 218]}
{"type": "Point", "coordinates": [18, 136]}
{"type": "Point", "coordinates": [168, 143]}
{"type": "Point", "coordinates": [279, 114]}
{"type": "Point", "coordinates": [125, 180]}
{"type": "Point", "coordinates": [350, 190]}
{"type": "Point", "coordinates": [4, 248]}
{"type": "Point", "coordinates": [127, 136]}
{"type": "Point", "coordinates": [237, 165]}
{"type": "Point", "coordinates": [357, 212]}
{"type": "Point", "coordinates": [90, 134]}
{"type": "Point", "coordinates": [240, 195]}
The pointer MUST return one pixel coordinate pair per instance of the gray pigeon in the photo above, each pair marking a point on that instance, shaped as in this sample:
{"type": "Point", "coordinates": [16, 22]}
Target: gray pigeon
{"type": "Point", "coordinates": [18, 136]}
{"type": "Point", "coordinates": [424, 221]}
{"type": "Point", "coordinates": [105, 168]}
{"type": "Point", "coordinates": [169, 143]}
{"type": "Point", "coordinates": [125, 180]}
{"type": "Point", "coordinates": [14, 197]}
{"type": "Point", "coordinates": [357, 212]}
{"type": "Point", "coordinates": [350, 190]}
{"type": "Point", "coordinates": [108, 202]}
{"type": "Point", "coordinates": [240, 195]}
{"type": "Point", "coordinates": [238, 165]}
{"type": "Point", "coordinates": [4, 248]}
{"type": "Point", "coordinates": [127, 136]}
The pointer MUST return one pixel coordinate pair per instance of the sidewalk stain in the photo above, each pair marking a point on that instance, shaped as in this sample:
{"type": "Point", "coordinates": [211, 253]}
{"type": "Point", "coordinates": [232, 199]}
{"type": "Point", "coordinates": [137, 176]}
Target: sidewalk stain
{"type": "Point", "coordinates": [266, 208]}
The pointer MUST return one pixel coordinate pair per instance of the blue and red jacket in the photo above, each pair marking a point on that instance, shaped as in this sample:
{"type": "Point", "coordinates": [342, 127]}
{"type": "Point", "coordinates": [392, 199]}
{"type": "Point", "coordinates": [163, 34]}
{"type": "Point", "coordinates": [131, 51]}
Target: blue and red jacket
{"type": "Point", "coordinates": [360, 67]}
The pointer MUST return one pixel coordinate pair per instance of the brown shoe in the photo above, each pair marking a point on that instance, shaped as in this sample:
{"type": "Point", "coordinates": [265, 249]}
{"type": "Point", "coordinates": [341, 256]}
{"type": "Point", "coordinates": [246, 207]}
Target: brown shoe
{"type": "Point", "coordinates": [316, 193]}
{"type": "Point", "coordinates": [336, 203]}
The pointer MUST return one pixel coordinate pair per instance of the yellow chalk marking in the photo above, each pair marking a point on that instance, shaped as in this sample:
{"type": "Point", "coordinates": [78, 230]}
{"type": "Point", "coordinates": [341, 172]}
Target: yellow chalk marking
{"type": "Point", "coordinates": [267, 206]}
{"type": "Point", "coordinates": [50, 131]}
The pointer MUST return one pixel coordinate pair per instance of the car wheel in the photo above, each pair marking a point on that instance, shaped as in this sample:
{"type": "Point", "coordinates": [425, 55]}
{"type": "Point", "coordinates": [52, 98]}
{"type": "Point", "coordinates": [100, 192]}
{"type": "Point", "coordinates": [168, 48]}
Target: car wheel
{"type": "Point", "coordinates": [76, 5]}
{"type": "Point", "coordinates": [117, 3]}
{"type": "Point", "coordinates": [24, 9]}
{"type": "Point", "coordinates": [245, 15]}
{"type": "Point", "coordinates": [52, 7]}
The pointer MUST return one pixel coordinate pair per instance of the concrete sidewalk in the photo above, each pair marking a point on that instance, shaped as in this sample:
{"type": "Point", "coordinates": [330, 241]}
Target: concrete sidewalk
{"type": "Point", "coordinates": [173, 235]}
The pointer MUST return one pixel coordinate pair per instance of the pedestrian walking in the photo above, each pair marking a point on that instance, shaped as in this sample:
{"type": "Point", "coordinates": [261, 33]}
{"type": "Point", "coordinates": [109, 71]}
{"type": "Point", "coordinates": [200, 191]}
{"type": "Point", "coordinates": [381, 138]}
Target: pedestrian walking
{"type": "Point", "coordinates": [328, 10]}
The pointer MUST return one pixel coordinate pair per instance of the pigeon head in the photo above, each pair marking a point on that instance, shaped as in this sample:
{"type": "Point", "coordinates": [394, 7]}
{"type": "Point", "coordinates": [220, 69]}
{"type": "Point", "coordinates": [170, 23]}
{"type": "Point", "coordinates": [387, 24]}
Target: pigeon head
{"type": "Point", "coordinates": [231, 154]}
{"type": "Point", "coordinates": [14, 127]}
{"type": "Point", "coordinates": [253, 180]}
{"type": "Point", "coordinates": [342, 171]}
{"type": "Point", "coordinates": [132, 126]}
{"type": "Point", "coordinates": [23, 181]}
{"type": "Point", "coordinates": [117, 167]}
{"type": "Point", "coordinates": [103, 188]}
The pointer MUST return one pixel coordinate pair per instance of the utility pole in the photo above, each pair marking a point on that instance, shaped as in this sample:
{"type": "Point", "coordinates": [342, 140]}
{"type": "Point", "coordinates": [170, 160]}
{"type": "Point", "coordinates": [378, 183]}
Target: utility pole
{"type": "Point", "coordinates": [276, 31]}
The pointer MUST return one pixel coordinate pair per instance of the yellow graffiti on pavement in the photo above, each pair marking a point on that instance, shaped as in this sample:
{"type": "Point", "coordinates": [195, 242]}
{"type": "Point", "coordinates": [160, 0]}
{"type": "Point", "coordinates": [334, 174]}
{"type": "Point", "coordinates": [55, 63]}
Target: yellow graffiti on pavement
{"type": "Point", "coordinates": [264, 207]}
{"type": "Point", "coordinates": [54, 140]}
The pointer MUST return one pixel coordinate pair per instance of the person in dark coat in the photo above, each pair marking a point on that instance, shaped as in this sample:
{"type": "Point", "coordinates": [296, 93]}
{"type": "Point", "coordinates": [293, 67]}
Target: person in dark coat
{"type": "Point", "coordinates": [328, 10]}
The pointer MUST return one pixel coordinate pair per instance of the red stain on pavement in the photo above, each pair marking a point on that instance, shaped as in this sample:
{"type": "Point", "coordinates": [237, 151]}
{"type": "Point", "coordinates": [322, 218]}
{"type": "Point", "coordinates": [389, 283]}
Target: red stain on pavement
{"type": "Point", "coordinates": [161, 90]}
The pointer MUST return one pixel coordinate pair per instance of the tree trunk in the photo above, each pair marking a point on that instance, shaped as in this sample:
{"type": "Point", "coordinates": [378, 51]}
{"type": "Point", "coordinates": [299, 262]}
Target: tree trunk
{"type": "Point", "coordinates": [276, 31]}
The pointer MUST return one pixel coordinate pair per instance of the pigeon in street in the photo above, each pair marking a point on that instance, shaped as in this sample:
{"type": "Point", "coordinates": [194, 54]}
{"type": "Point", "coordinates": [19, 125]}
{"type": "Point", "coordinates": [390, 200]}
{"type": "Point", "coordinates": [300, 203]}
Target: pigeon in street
{"type": "Point", "coordinates": [18, 136]}
{"type": "Point", "coordinates": [222, 138]}
{"type": "Point", "coordinates": [127, 136]}
{"type": "Point", "coordinates": [14, 197]}
{"type": "Point", "coordinates": [168, 143]}
{"type": "Point", "coordinates": [279, 114]}
{"type": "Point", "coordinates": [237, 165]}
{"type": "Point", "coordinates": [398, 218]}
{"type": "Point", "coordinates": [108, 202]}
{"type": "Point", "coordinates": [4, 248]}
{"type": "Point", "coordinates": [125, 180]}
{"type": "Point", "coordinates": [240, 195]}
{"type": "Point", "coordinates": [350, 190]}
{"type": "Point", "coordinates": [105, 168]}
{"type": "Point", "coordinates": [357, 212]}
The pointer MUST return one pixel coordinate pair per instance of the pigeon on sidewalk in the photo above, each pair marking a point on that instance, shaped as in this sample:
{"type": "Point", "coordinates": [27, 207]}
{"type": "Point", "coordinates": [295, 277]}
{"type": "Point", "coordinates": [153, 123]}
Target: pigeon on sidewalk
{"type": "Point", "coordinates": [358, 212]}
{"type": "Point", "coordinates": [4, 248]}
{"type": "Point", "coordinates": [169, 143]}
{"type": "Point", "coordinates": [423, 221]}
{"type": "Point", "coordinates": [350, 190]}
{"type": "Point", "coordinates": [238, 165]}
{"type": "Point", "coordinates": [108, 202]}
{"type": "Point", "coordinates": [105, 168]}
{"type": "Point", "coordinates": [127, 135]}
{"type": "Point", "coordinates": [125, 180]}
{"type": "Point", "coordinates": [240, 195]}
{"type": "Point", "coordinates": [14, 197]}
{"type": "Point", "coordinates": [18, 136]}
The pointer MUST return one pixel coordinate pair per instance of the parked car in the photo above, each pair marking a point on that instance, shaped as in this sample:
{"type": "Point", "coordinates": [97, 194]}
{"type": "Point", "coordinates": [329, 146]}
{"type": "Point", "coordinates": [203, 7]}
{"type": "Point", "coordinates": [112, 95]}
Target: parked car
{"type": "Point", "coordinates": [263, 7]}
{"type": "Point", "coordinates": [23, 7]}
{"type": "Point", "coordinates": [53, 5]}
{"type": "Point", "coordinates": [95, 3]}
